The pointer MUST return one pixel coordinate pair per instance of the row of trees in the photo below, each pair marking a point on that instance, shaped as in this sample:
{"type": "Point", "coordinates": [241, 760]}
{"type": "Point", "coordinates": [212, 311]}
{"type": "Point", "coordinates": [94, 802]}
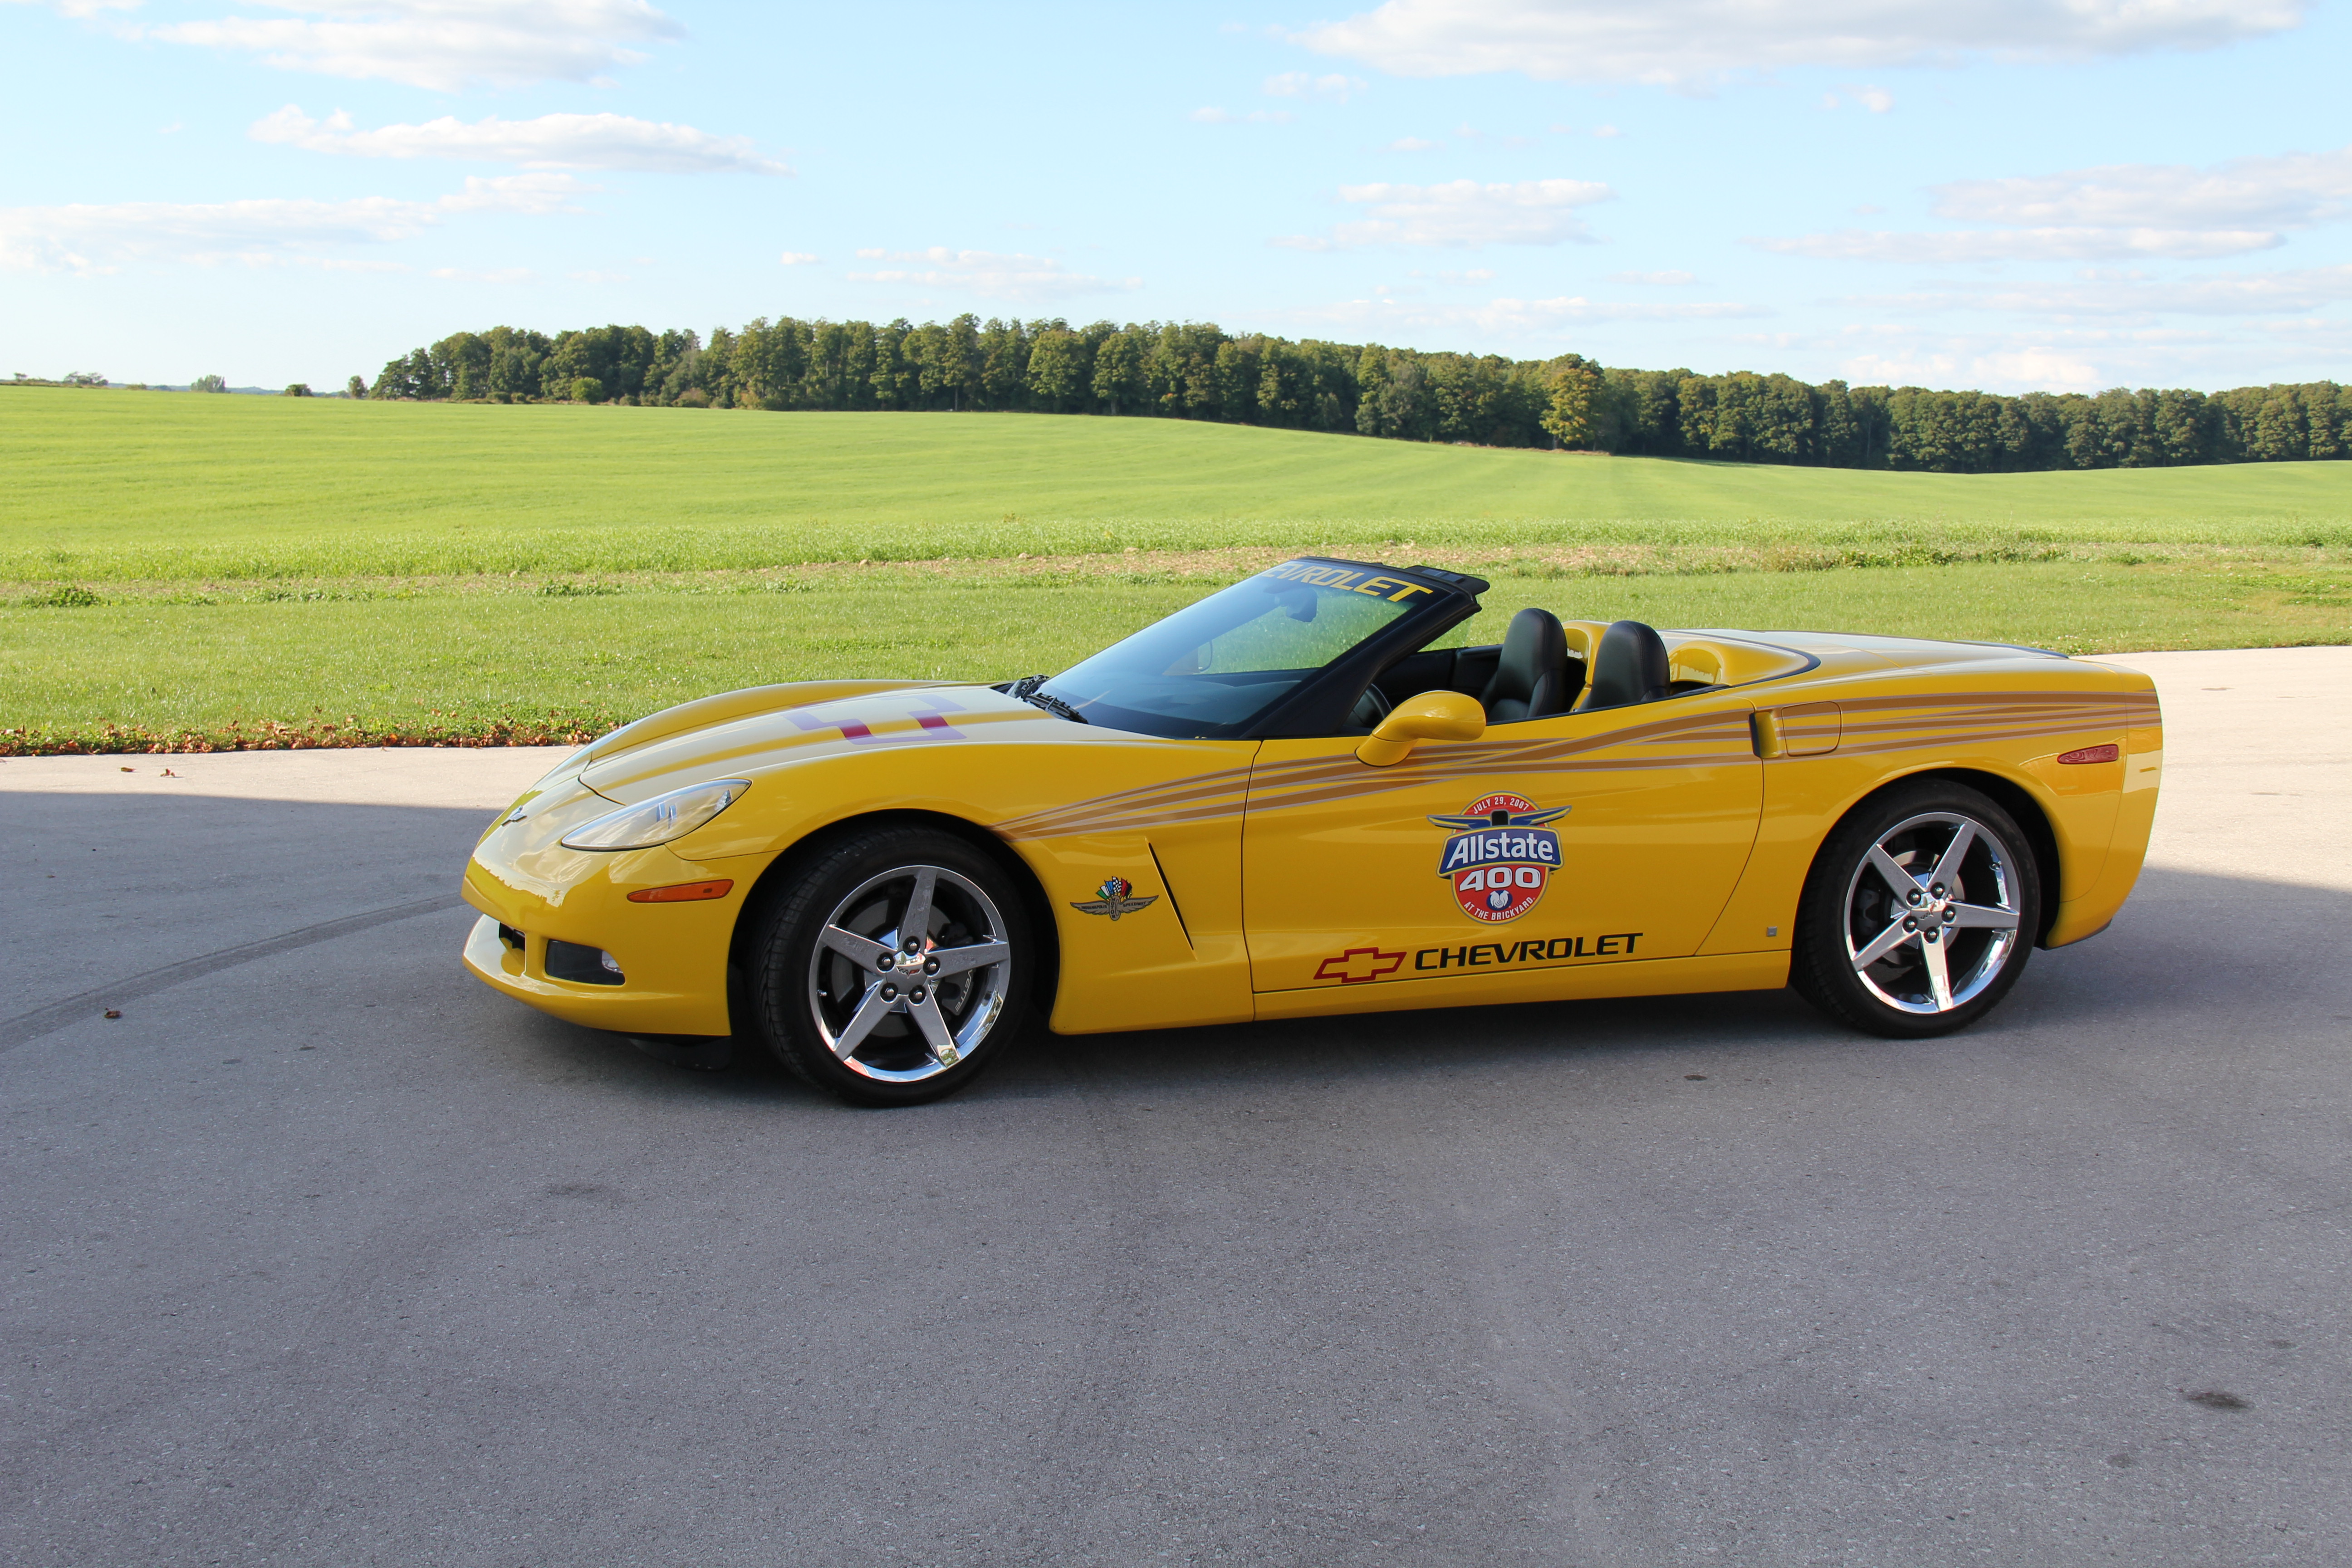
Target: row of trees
{"type": "Point", "coordinates": [1197, 371]}
{"type": "Point", "coordinates": [93, 378]}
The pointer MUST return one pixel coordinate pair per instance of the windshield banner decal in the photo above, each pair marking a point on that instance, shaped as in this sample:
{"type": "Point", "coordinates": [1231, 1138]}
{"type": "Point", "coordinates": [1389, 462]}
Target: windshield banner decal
{"type": "Point", "coordinates": [1379, 587]}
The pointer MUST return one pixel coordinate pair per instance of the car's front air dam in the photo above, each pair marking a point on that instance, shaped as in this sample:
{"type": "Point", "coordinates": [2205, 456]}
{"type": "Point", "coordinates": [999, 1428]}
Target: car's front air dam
{"type": "Point", "coordinates": [672, 956]}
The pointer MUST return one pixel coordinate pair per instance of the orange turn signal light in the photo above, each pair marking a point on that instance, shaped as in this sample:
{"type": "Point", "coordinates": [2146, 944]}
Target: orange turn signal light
{"type": "Point", "coordinates": [686, 892]}
{"type": "Point", "coordinates": [2107, 753]}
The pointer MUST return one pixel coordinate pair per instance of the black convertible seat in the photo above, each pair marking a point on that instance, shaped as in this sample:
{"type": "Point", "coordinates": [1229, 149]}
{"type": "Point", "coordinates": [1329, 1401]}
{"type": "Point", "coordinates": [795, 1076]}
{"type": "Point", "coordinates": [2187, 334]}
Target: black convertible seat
{"type": "Point", "coordinates": [1630, 666]}
{"type": "Point", "coordinates": [1531, 675]}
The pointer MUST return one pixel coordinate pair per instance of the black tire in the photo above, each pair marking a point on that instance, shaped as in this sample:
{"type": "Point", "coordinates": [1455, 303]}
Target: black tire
{"type": "Point", "coordinates": [840, 1000]}
{"type": "Point", "coordinates": [1979, 918]}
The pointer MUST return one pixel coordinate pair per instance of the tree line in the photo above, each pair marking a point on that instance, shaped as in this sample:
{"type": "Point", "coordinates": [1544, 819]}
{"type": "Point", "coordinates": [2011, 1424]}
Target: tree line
{"type": "Point", "coordinates": [1197, 371]}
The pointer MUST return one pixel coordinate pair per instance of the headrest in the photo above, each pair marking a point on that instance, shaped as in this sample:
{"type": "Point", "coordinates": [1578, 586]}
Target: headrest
{"type": "Point", "coordinates": [1630, 666]}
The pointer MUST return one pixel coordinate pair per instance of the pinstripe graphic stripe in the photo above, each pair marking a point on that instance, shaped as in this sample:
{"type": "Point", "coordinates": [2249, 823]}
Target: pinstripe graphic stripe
{"type": "Point", "coordinates": [1973, 738]}
{"type": "Point", "coordinates": [1350, 788]}
{"type": "Point", "coordinates": [1869, 726]}
{"type": "Point", "coordinates": [1209, 796]}
{"type": "Point", "coordinates": [1203, 798]}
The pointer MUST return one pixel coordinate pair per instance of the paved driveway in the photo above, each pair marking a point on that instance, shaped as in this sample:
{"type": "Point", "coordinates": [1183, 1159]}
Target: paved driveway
{"type": "Point", "coordinates": [324, 1254]}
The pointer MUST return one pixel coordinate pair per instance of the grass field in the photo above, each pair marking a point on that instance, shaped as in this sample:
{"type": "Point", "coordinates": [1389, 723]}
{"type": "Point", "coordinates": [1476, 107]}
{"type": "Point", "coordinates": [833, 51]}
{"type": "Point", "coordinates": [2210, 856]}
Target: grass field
{"type": "Point", "coordinates": [175, 566]}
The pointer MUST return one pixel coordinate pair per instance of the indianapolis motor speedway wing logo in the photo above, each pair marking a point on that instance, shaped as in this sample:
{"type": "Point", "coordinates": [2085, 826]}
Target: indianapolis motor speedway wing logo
{"type": "Point", "coordinates": [1114, 899]}
{"type": "Point", "coordinates": [1501, 855]}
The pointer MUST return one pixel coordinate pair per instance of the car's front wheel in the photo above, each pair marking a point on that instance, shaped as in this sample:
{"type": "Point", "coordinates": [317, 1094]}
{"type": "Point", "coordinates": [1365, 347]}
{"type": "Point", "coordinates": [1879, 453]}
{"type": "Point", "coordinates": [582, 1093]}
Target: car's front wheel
{"type": "Point", "coordinates": [1919, 912]}
{"type": "Point", "coordinates": [894, 968]}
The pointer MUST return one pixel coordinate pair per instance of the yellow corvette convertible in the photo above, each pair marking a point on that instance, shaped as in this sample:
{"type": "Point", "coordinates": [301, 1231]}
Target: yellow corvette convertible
{"type": "Point", "coordinates": [1300, 796]}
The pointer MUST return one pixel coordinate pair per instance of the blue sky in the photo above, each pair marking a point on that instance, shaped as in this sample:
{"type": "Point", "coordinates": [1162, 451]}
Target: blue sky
{"type": "Point", "coordinates": [2004, 193]}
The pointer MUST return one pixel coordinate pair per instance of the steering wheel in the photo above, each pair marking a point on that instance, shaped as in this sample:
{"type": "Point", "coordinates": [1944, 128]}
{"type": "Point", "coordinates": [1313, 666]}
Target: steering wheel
{"type": "Point", "coordinates": [1369, 709]}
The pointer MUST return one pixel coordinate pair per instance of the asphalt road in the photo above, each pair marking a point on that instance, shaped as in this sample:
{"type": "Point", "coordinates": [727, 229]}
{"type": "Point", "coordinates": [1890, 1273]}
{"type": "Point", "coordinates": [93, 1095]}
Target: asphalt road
{"type": "Point", "coordinates": [324, 1254]}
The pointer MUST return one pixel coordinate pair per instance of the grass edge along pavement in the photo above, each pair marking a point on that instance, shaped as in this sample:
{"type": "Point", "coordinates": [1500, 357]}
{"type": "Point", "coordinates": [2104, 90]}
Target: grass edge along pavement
{"type": "Point", "coordinates": [508, 664]}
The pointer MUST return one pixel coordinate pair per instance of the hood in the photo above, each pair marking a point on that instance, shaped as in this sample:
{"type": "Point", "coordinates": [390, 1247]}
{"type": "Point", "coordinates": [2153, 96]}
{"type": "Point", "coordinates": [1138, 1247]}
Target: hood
{"type": "Point", "coordinates": [741, 731]}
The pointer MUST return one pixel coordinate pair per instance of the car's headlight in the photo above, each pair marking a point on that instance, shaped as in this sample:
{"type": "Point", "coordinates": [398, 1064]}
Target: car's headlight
{"type": "Point", "coordinates": [658, 820]}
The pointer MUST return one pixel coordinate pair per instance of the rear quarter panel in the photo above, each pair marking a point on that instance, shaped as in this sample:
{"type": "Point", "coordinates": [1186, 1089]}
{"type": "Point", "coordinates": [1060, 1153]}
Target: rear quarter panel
{"type": "Point", "coordinates": [1869, 718]}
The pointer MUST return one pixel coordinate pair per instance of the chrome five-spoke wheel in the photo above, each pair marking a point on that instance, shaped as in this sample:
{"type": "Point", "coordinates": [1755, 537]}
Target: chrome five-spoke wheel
{"type": "Point", "coordinates": [1931, 913]}
{"type": "Point", "coordinates": [892, 965]}
{"type": "Point", "coordinates": [1919, 913]}
{"type": "Point", "coordinates": [908, 973]}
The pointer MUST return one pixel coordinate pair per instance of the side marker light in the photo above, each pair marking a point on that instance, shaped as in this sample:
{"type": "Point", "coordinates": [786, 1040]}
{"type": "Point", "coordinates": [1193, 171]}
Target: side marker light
{"type": "Point", "coordinates": [683, 892]}
{"type": "Point", "coordinates": [2107, 753]}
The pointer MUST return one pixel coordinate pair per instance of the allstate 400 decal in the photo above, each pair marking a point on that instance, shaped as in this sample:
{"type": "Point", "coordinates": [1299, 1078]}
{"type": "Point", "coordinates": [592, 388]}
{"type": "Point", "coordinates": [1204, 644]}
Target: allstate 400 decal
{"type": "Point", "coordinates": [1501, 855]}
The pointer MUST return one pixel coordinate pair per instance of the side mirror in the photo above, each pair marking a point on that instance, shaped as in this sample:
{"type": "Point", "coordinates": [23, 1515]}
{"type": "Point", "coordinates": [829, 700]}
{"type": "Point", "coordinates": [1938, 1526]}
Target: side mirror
{"type": "Point", "coordinates": [1431, 716]}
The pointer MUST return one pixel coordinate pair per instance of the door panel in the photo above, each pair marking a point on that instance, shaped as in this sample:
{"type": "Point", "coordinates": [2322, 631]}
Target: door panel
{"type": "Point", "coordinates": [1620, 836]}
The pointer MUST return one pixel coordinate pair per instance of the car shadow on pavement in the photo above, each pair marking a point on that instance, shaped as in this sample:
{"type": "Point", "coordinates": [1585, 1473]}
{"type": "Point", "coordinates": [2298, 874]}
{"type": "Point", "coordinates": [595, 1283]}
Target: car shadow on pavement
{"type": "Point", "coordinates": [128, 886]}
{"type": "Point", "coordinates": [2191, 952]}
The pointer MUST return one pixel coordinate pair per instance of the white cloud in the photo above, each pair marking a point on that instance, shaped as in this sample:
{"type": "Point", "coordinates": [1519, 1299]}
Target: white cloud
{"type": "Point", "coordinates": [2285, 292]}
{"type": "Point", "coordinates": [516, 194]}
{"type": "Point", "coordinates": [1691, 43]}
{"type": "Point", "coordinates": [1213, 116]}
{"type": "Point", "coordinates": [799, 259]}
{"type": "Point", "coordinates": [986, 272]}
{"type": "Point", "coordinates": [1299, 84]}
{"type": "Point", "coordinates": [1461, 213]}
{"type": "Point", "coordinates": [2291, 191]}
{"type": "Point", "coordinates": [2022, 245]}
{"type": "Point", "coordinates": [439, 44]}
{"type": "Point", "coordinates": [92, 238]}
{"type": "Point", "coordinates": [1659, 279]}
{"type": "Point", "coordinates": [1877, 99]}
{"type": "Point", "coordinates": [2115, 212]}
{"type": "Point", "coordinates": [1914, 369]}
{"type": "Point", "coordinates": [81, 7]}
{"type": "Point", "coordinates": [549, 141]}
{"type": "Point", "coordinates": [2039, 368]}
{"type": "Point", "coordinates": [1515, 317]}
{"type": "Point", "coordinates": [2082, 356]}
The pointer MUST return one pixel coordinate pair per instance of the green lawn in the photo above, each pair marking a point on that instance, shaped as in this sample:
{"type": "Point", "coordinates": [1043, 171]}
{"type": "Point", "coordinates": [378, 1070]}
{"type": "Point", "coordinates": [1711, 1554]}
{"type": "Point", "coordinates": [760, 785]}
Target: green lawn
{"type": "Point", "coordinates": [129, 484]}
{"type": "Point", "coordinates": [173, 564]}
{"type": "Point", "coordinates": [498, 663]}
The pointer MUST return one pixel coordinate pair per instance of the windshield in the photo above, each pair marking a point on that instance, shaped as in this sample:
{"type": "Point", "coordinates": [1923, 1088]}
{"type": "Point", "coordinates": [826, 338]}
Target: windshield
{"type": "Point", "coordinates": [1210, 669]}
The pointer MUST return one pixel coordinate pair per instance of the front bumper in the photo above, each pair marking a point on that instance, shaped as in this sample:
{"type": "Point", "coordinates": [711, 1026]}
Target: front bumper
{"type": "Point", "coordinates": [672, 957]}
{"type": "Point", "coordinates": [632, 1007]}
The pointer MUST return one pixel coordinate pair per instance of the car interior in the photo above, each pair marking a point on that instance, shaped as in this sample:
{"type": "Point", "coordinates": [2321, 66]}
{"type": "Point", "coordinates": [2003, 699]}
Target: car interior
{"type": "Point", "coordinates": [1536, 673]}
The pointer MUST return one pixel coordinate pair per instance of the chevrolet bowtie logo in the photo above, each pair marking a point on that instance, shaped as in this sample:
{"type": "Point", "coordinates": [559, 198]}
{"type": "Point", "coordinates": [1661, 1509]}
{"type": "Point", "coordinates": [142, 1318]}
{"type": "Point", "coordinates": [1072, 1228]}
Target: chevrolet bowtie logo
{"type": "Point", "coordinates": [1360, 964]}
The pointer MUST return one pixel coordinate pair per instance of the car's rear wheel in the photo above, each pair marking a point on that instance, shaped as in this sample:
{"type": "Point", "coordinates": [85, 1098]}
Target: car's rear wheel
{"type": "Point", "coordinates": [1919, 912]}
{"type": "Point", "coordinates": [894, 968]}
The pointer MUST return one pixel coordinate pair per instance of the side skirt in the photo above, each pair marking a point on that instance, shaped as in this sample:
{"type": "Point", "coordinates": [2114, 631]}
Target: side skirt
{"type": "Point", "coordinates": [1639, 977]}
